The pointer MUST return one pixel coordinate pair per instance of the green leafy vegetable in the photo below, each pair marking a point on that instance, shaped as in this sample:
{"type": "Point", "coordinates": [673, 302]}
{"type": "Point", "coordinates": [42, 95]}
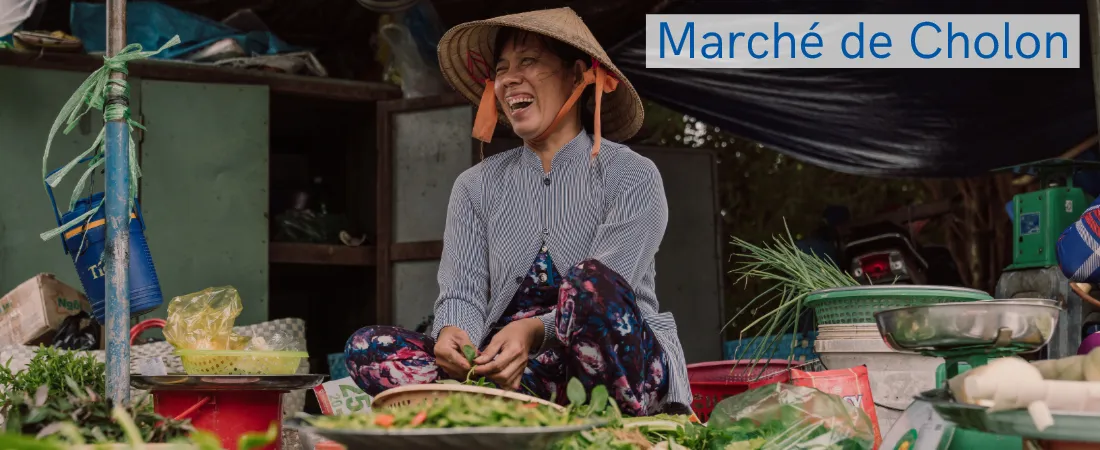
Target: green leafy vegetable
{"type": "Point", "coordinates": [52, 368]}
{"type": "Point", "coordinates": [455, 410]}
{"type": "Point", "coordinates": [470, 353]}
{"type": "Point", "coordinates": [574, 391]}
{"type": "Point", "coordinates": [58, 389]}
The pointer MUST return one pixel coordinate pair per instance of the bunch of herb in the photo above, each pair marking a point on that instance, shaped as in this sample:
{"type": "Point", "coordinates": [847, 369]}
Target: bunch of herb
{"type": "Point", "coordinates": [471, 354]}
{"type": "Point", "coordinates": [793, 274]}
{"type": "Point", "coordinates": [43, 412]}
{"type": "Point", "coordinates": [51, 368]}
{"type": "Point", "coordinates": [65, 435]}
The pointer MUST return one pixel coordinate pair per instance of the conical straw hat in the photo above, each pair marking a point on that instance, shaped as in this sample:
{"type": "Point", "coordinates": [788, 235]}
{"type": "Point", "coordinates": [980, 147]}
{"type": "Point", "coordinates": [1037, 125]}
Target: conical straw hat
{"type": "Point", "coordinates": [466, 53]}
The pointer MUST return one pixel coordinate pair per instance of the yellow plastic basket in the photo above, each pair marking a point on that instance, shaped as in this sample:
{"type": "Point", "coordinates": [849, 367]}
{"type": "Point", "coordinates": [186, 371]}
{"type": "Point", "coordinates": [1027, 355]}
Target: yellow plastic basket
{"type": "Point", "coordinates": [240, 362]}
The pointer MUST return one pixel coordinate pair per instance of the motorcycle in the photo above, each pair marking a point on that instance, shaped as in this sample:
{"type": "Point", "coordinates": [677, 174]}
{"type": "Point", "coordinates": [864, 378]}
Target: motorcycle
{"type": "Point", "coordinates": [887, 252]}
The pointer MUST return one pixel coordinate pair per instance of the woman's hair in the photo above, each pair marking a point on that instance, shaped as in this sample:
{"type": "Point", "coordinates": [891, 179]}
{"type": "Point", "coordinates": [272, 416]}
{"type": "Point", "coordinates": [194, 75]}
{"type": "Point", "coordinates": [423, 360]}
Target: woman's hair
{"type": "Point", "coordinates": [568, 54]}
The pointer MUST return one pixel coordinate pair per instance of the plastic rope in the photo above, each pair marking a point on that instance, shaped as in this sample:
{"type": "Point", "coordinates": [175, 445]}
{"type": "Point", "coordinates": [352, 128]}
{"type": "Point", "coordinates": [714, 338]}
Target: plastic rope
{"type": "Point", "coordinates": [91, 94]}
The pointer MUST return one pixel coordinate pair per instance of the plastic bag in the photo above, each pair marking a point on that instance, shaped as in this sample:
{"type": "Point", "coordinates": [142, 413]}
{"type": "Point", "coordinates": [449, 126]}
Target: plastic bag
{"type": "Point", "coordinates": [13, 13]}
{"type": "Point", "coordinates": [782, 416]}
{"type": "Point", "coordinates": [419, 78]}
{"type": "Point", "coordinates": [277, 342]}
{"type": "Point", "coordinates": [851, 385]}
{"type": "Point", "coordinates": [204, 320]}
{"type": "Point", "coordinates": [78, 332]}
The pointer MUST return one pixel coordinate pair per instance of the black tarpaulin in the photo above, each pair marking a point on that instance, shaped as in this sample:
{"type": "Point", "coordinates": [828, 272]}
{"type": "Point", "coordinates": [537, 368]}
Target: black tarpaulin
{"type": "Point", "coordinates": [894, 122]}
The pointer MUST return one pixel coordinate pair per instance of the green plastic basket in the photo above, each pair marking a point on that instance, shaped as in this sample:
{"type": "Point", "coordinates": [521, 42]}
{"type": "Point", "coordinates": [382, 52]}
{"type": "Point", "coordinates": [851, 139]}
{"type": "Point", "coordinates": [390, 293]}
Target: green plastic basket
{"type": "Point", "coordinates": [858, 305]}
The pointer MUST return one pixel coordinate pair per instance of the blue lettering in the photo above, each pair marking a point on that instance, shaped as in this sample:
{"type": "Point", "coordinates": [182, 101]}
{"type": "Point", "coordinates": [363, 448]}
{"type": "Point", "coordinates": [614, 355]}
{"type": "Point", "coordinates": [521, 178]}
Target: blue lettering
{"type": "Point", "coordinates": [876, 45]}
{"type": "Point", "coordinates": [1065, 45]}
{"type": "Point", "coordinates": [1019, 47]}
{"type": "Point", "coordinates": [859, 42]}
{"type": "Point", "coordinates": [733, 41]}
{"type": "Point", "coordinates": [806, 45]}
{"type": "Point", "coordinates": [689, 35]}
{"type": "Point", "coordinates": [715, 46]}
{"type": "Point", "coordinates": [753, 37]}
{"type": "Point", "coordinates": [779, 37]}
{"type": "Point", "coordinates": [1008, 39]}
{"type": "Point", "coordinates": [913, 40]}
{"type": "Point", "coordinates": [978, 45]}
{"type": "Point", "coordinates": [951, 42]}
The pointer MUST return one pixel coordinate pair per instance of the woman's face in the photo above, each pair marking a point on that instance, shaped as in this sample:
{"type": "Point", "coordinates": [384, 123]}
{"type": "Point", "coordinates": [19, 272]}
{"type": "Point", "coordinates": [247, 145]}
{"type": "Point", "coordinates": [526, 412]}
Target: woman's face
{"type": "Point", "coordinates": [532, 84]}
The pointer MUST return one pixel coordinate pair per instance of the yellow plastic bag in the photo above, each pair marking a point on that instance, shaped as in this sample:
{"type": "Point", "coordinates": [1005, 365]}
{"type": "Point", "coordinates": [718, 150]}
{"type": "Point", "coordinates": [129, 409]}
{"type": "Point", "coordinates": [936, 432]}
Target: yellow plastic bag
{"type": "Point", "coordinates": [204, 320]}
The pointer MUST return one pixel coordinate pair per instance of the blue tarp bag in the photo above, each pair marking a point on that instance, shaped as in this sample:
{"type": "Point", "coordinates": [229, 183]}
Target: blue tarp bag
{"type": "Point", "coordinates": [152, 24]}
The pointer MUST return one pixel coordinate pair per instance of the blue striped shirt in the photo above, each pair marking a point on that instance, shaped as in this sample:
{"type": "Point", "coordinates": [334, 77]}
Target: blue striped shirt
{"type": "Point", "coordinates": [1079, 247]}
{"type": "Point", "coordinates": [504, 209]}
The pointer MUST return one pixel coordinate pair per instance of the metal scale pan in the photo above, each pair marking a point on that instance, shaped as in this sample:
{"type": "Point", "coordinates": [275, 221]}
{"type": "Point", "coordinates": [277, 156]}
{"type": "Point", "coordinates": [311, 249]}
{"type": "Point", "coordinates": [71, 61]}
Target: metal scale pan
{"type": "Point", "coordinates": [975, 332]}
{"type": "Point", "coordinates": [1000, 326]}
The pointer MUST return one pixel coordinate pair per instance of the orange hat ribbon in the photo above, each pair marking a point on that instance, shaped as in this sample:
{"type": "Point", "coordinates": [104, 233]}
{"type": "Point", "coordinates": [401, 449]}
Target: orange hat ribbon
{"type": "Point", "coordinates": [485, 122]}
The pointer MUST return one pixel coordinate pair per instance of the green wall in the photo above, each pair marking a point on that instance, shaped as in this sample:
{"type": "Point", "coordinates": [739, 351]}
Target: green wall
{"type": "Point", "coordinates": [204, 191]}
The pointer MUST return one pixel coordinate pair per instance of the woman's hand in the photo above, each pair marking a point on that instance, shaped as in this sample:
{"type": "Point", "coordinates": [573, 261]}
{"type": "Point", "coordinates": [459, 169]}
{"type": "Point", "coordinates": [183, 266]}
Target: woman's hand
{"type": "Point", "coordinates": [448, 352]}
{"type": "Point", "coordinates": [504, 360]}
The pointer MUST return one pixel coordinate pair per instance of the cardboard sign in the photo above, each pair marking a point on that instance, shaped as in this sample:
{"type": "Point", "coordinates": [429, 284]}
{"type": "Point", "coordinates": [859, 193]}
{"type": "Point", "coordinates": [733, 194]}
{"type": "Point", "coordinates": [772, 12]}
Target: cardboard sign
{"type": "Point", "coordinates": [341, 397]}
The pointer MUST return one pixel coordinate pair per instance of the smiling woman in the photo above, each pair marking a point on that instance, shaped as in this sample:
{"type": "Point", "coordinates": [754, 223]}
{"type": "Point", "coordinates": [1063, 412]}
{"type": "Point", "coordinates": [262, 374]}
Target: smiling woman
{"type": "Point", "coordinates": [588, 311]}
{"type": "Point", "coordinates": [551, 68]}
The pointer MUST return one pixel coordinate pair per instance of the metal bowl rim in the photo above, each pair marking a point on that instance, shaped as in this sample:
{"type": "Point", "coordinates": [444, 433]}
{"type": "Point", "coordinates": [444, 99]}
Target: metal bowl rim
{"type": "Point", "coordinates": [888, 287]}
{"type": "Point", "coordinates": [1045, 303]}
{"type": "Point", "coordinates": [300, 424]}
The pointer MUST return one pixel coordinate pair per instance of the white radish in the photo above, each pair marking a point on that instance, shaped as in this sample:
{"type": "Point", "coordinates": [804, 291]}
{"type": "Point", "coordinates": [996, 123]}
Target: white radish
{"type": "Point", "coordinates": [996, 370]}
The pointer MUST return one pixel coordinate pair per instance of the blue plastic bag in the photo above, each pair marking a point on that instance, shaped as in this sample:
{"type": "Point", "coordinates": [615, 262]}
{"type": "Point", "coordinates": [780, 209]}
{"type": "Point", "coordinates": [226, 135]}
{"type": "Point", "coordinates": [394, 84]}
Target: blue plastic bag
{"type": "Point", "coordinates": [152, 24]}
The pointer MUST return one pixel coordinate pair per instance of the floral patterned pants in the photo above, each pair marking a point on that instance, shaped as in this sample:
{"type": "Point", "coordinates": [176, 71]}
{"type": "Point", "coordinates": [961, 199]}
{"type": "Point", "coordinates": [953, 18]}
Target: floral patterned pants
{"type": "Point", "coordinates": [603, 342]}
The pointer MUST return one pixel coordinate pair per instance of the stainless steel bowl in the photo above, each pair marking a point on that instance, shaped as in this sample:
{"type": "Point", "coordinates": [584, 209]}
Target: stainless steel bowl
{"type": "Point", "coordinates": [1024, 324]}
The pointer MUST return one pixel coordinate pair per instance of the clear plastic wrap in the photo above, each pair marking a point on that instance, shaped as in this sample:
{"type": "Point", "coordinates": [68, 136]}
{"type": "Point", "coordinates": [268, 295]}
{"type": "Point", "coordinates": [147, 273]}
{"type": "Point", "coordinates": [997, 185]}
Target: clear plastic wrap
{"type": "Point", "coordinates": [204, 320]}
{"type": "Point", "coordinates": [781, 416]}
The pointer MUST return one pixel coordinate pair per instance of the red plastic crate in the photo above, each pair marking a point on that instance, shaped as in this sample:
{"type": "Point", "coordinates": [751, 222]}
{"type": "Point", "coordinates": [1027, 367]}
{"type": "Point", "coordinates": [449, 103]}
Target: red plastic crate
{"type": "Point", "coordinates": [711, 382]}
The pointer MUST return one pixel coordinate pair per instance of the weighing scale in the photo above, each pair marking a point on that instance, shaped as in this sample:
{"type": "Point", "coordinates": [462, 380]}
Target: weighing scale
{"type": "Point", "coordinates": [1039, 218]}
{"type": "Point", "coordinates": [226, 405]}
{"type": "Point", "coordinates": [967, 335]}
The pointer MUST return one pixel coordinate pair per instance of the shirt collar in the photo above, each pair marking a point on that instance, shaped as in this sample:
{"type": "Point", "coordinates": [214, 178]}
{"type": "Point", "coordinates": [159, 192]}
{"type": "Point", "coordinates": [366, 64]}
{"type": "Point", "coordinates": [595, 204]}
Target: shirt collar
{"type": "Point", "coordinates": [580, 146]}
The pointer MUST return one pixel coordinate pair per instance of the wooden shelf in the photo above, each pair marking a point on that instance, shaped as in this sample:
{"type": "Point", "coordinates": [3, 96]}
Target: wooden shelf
{"type": "Point", "coordinates": [320, 254]}
{"type": "Point", "coordinates": [317, 87]}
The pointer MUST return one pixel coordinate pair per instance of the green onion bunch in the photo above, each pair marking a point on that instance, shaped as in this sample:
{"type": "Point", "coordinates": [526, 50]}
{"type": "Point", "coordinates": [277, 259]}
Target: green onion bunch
{"type": "Point", "coordinates": [793, 275]}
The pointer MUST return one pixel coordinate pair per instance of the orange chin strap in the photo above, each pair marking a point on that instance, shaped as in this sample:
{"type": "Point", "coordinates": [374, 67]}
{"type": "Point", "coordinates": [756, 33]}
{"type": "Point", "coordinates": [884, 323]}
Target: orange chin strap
{"type": "Point", "coordinates": [487, 113]}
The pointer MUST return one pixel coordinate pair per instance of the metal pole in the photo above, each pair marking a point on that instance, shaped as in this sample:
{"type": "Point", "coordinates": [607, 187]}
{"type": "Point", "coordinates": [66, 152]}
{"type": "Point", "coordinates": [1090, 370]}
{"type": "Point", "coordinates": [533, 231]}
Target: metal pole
{"type": "Point", "coordinates": [117, 196]}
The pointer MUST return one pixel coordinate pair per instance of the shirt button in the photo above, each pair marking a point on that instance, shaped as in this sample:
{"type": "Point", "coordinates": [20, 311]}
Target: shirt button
{"type": "Point", "coordinates": [546, 181]}
{"type": "Point", "coordinates": [519, 280]}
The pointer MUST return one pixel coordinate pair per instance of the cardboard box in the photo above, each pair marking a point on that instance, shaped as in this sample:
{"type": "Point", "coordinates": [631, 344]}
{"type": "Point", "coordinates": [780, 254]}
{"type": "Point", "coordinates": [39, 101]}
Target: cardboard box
{"type": "Point", "coordinates": [32, 311]}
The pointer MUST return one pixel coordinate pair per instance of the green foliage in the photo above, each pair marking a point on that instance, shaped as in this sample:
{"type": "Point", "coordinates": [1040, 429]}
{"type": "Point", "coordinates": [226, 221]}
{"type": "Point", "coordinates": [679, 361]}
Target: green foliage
{"type": "Point", "coordinates": [52, 368]}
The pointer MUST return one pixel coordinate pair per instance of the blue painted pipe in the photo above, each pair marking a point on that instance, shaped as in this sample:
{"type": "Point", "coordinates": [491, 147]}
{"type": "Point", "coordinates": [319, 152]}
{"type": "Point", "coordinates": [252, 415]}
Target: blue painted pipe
{"type": "Point", "coordinates": [117, 212]}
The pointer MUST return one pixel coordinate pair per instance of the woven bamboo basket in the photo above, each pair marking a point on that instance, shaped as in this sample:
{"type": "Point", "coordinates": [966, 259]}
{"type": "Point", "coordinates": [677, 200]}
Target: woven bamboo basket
{"type": "Point", "coordinates": [407, 395]}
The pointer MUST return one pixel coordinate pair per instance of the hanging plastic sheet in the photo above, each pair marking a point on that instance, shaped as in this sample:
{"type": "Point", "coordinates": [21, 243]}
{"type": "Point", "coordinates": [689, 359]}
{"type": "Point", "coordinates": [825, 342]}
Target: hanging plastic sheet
{"type": "Point", "coordinates": [895, 122]}
{"type": "Point", "coordinates": [151, 24]}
